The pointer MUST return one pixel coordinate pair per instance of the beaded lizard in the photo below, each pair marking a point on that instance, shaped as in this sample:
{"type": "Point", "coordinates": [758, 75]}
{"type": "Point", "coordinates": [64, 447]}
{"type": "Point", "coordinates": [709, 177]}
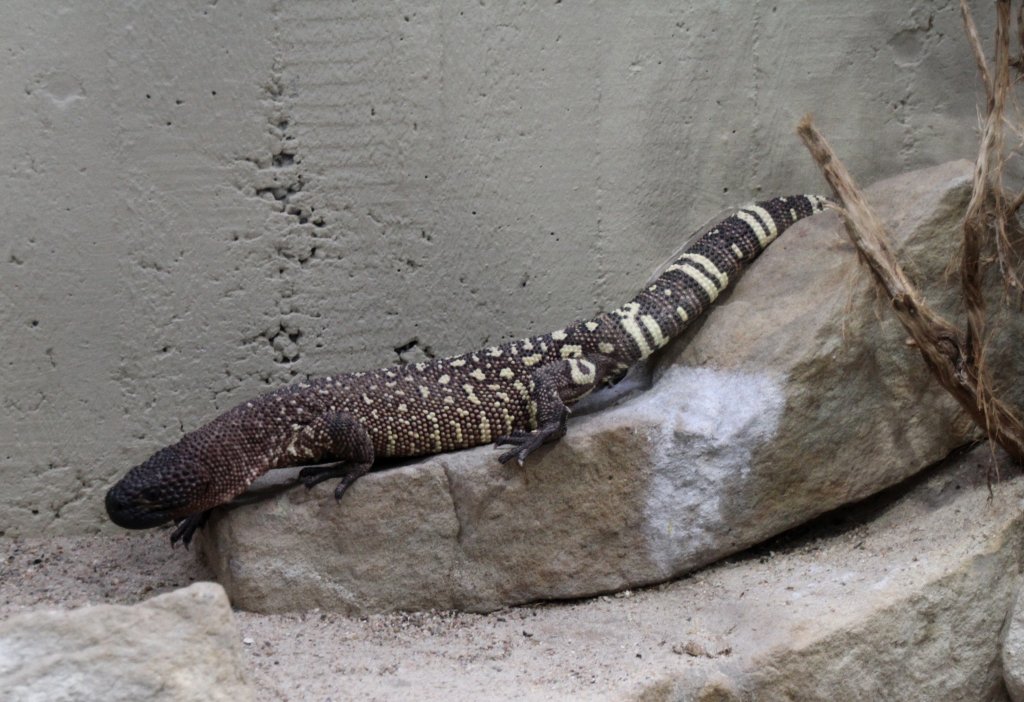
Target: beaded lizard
{"type": "Point", "coordinates": [515, 394]}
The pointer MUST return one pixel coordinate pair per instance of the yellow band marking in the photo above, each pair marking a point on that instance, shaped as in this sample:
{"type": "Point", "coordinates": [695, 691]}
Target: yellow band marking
{"type": "Point", "coordinates": [655, 330]}
{"type": "Point", "coordinates": [767, 218]}
{"type": "Point", "coordinates": [762, 236]}
{"type": "Point", "coordinates": [710, 267]}
{"type": "Point", "coordinates": [627, 320]}
{"type": "Point", "coordinates": [702, 280]}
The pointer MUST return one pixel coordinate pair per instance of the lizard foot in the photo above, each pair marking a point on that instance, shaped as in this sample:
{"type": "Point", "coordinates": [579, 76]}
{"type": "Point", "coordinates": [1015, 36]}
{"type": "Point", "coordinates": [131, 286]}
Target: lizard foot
{"type": "Point", "coordinates": [314, 475]}
{"type": "Point", "coordinates": [187, 528]}
{"type": "Point", "coordinates": [528, 442]}
{"type": "Point", "coordinates": [349, 473]}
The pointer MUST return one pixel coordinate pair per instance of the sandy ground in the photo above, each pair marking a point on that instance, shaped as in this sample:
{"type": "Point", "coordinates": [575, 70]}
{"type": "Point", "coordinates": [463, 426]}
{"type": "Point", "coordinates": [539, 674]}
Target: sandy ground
{"type": "Point", "coordinates": [608, 647]}
{"type": "Point", "coordinates": [533, 652]}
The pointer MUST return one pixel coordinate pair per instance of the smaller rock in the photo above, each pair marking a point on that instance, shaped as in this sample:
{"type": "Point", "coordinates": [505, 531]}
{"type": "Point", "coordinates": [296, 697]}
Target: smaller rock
{"type": "Point", "coordinates": [182, 645]}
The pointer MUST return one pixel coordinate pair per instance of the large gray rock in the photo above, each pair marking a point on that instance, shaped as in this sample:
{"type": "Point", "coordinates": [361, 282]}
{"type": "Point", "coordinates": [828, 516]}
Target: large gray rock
{"type": "Point", "coordinates": [174, 647]}
{"type": "Point", "coordinates": [797, 394]}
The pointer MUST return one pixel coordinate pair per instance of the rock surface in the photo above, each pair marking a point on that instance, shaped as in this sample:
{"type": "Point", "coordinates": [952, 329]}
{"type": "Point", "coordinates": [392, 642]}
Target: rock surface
{"type": "Point", "coordinates": [909, 608]}
{"type": "Point", "coordinates": [1013, 651]}
{"type": "Point", "coordinates": [795, 395]}
{"type": "Point", "coordinates": [901, 597]}
{"type": "Point", "coordinates": [183, 645]}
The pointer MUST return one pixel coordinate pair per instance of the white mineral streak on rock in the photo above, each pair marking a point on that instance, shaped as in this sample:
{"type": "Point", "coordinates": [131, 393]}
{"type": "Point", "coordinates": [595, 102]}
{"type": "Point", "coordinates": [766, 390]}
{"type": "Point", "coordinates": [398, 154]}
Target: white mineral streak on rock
{"type": "Point", "coordinates": [707, 438]}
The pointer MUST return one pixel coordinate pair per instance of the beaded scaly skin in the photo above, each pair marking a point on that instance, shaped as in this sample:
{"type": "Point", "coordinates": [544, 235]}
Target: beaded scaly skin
{"type": "Point", "coordinates": [516, 394]}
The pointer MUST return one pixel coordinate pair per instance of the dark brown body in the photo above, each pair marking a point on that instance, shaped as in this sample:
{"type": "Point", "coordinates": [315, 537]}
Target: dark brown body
{"type": "Point", "coordinates": [514, 394]}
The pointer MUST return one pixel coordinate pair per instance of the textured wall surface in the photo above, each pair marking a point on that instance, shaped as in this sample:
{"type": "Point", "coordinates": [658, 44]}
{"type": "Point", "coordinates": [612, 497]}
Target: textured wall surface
{"type": "Point", "coordinates": [206, 200]}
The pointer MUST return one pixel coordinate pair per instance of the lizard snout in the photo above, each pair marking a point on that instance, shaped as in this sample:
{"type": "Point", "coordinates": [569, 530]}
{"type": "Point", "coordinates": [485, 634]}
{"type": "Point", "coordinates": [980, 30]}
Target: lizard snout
{"type": "Point", "coordinates": [130, 511]}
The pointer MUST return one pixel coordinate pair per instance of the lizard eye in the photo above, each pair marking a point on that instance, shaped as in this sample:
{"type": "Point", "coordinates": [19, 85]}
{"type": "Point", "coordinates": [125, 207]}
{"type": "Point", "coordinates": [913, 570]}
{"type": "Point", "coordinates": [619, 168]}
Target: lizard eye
{"type": "Point", "coordinates": [151, 494]}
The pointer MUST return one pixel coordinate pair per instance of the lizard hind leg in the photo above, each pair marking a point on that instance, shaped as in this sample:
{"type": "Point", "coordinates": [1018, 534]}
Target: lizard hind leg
{"type": "Point", "coordinates": [344, 442]}
{"type": "Point", "coordinates": [556, 385]}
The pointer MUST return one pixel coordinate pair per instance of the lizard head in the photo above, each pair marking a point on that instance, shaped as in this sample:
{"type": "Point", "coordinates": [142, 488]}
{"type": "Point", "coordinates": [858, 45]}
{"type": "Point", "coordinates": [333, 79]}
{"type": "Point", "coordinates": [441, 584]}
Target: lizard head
{"type": "Point", "coordinates": [163, 488]}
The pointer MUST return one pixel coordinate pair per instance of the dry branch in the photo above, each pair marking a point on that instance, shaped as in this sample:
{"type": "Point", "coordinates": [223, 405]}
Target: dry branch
{"type": "Point", "coordinates": [988, 209]}
{"type": "Point", "coordinates": [941, 344]}
{"type": "Point", "coordinates": [972, 37]}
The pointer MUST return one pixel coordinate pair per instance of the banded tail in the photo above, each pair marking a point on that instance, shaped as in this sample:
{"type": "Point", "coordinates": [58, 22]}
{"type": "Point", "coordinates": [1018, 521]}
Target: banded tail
{"type": "Point", "coordinates": [695, 279]}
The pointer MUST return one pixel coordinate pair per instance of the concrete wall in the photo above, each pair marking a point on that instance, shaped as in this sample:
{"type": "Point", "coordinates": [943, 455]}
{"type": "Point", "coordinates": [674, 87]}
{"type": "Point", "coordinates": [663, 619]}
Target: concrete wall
{"type": "Point", "coordinates": [204, 200]}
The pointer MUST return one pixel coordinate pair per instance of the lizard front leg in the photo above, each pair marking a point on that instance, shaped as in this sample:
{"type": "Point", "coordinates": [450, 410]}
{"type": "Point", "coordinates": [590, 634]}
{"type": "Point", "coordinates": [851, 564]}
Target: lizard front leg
{"type": "Point", "coordinates": [338, 436]}
{"type": "Point", "coordinates": [187, 527]}
{"type": "Point", "coordinates": [555, 385]}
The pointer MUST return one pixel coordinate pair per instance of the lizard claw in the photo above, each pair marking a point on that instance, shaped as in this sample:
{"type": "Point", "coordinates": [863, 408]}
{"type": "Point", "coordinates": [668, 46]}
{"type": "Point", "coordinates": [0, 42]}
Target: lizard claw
{"type": "Point", "coordinates": [187, 528]}
{"type": "Point", "coordinates": [342, 486]}
{"type": "Point", "coordinates": [527, 441]}
{"type": "Point", "coordinates": [311, 478]}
